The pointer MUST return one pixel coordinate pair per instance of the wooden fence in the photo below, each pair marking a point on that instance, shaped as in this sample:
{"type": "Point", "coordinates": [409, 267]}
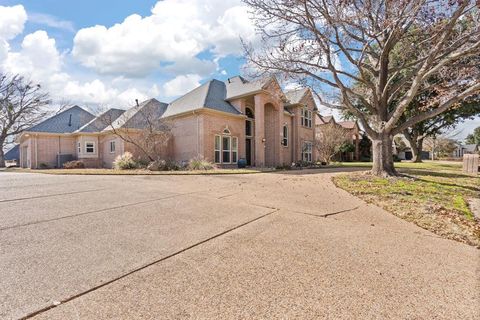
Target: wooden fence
{"type": "Point", "coordinates": [471, 163]}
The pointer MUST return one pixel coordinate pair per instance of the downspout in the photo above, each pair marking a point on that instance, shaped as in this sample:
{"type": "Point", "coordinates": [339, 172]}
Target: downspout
{"type": "Point", "coordinates": [198, 134]}
{"type": "Point", "coordinates": [36, 151]}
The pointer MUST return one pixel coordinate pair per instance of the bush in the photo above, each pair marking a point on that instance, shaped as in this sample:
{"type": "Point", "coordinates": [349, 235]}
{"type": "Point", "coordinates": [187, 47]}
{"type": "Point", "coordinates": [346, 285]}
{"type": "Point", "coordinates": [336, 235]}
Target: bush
{"type": "Point", "coordinates": [125, 162]}
{"type": "Point", "coordinates": [74, 165]}
{"type": "Point", "coordinates": [199, 163]}
{"type": "Point", "coordinates": [163, 165]}
{"type": "Point", "coordinates": [43, 165]}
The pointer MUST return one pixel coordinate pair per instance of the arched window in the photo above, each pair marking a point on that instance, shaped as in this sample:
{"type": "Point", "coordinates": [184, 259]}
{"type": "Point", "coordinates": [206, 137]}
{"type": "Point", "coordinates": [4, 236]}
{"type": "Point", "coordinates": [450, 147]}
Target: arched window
{"type": "Point", "coordinates": [249, 113]}
{"type": "Point", "coordinates": [226, 131]}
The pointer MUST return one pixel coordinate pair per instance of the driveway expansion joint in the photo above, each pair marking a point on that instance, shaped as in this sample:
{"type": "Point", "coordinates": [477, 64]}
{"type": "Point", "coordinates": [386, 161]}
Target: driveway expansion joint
{"type": "Point", "coordinates": [78, 295]}
{"type": "Point", "coordinates": [326, 215]}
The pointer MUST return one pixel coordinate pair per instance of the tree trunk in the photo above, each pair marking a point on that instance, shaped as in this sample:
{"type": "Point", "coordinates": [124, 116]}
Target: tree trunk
{"type": "Point", "coordinates": [383, 156]}
{"type": "Point", "coordinates": [2, 157]}
{"type": "Point", "coordinates": [417, 148]}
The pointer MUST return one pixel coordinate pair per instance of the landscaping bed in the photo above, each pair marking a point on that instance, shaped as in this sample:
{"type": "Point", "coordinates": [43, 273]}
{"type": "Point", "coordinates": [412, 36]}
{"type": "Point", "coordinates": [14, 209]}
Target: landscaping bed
{"type": "Point", "coordinates": [434, 196]}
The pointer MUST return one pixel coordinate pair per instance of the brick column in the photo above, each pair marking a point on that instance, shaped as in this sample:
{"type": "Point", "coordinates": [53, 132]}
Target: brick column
{"type": "Point", "coordinates": [278, 139]}
{"type": "Point", "coordinates": [259, 131]}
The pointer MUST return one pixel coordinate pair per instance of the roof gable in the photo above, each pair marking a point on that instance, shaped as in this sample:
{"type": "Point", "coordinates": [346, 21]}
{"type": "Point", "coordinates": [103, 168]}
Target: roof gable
{"type": "Point", "coordinates": [66, 121]}
{"type": "Point", "coordinates": [13, 153]}
{"type": "Point", "coordinates": [102, 121]}
{"type": "Point", "coordinates": [210, 95]}
{"type": "Point", "coordinates": [136, 117]}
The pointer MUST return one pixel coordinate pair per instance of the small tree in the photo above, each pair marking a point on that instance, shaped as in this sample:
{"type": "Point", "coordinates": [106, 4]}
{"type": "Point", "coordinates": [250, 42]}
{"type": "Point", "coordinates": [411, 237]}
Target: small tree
{"type": "Point", "coordinates": [143, 127]}
{"type": "Point", "coordinates": [440, 147]}
{"type": "Point", "coordinates": [22, 105]}
{"type": "Point", "coordinates": [474, 138]}
{"type": "Point", "coordinates": [329, 140]}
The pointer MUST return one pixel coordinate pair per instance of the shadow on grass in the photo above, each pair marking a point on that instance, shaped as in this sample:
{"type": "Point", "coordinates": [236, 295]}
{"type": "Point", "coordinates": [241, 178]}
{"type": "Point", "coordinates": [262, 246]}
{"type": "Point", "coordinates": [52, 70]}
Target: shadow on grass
{"type": "Point", "coordinates": [417, 178]}
{"type": "Point", "coordinates": [426, 172]}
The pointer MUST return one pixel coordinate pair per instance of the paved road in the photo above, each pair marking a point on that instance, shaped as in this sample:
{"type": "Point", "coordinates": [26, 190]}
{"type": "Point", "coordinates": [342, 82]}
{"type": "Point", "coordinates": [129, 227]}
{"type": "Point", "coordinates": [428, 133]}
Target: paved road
{"type": "Point", "coordinates": [265, 246]}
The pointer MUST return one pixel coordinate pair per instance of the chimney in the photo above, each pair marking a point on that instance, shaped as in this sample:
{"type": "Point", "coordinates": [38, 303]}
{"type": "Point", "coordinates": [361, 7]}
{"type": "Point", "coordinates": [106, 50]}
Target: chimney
{"type": "Point", "coordinates": [70, 120]}
{"type": "Point", "coordinates": [136, 101]}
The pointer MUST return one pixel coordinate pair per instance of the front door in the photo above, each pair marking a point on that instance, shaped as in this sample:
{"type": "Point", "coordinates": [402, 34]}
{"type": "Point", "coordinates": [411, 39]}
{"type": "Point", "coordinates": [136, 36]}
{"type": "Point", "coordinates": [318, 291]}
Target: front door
{"type": "Point", "coordinates": [248, 151]}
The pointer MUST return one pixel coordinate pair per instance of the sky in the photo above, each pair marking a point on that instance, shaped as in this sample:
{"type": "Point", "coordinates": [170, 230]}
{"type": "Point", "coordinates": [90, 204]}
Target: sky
{"type": "Point", "coordinates": [100, 54]}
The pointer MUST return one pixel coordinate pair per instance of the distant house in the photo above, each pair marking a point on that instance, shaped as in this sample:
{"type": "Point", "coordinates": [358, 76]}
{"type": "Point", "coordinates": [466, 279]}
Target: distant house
{"type": "Point", "coordinates": [465, 149]}
{"type": "Point", "coordinates": [354, 134]}
{"type": "Point", "coordinates": [221, 121]}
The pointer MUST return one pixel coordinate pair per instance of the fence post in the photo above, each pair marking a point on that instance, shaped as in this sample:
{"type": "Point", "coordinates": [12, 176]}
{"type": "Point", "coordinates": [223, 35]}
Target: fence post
{"type": "Point", "coordinates": [471, 163]}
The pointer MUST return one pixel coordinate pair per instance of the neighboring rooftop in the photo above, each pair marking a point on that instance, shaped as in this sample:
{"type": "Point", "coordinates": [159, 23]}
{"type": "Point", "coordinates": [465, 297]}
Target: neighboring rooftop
{"type": "Point", "coordinates": [102, 121]}
{"type": "Point", "coordinates": [210, 95]}
{"type": "Point", "coordinates": [13, 153]}
{"type": "Point", "coordinates": [347, 124]}
{"type": "Point", "coordinates": [324, 119]}
{"type": "Point", "coordinates": [66, 121]}
{"type": "Point", "coordinates": [136, 117]}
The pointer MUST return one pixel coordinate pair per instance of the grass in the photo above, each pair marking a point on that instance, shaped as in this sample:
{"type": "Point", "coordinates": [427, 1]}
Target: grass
{"type": "Point", "coordinates": [432, 195]}
{"type": "Point", "coordinates": [133, 172]}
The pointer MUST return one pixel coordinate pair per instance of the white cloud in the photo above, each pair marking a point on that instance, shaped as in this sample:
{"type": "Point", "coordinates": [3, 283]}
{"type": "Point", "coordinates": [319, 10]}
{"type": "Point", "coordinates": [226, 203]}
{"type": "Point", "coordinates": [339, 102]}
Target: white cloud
{"type": "Point", "coordinates": [50, 21]}
{"type": "Point", "coordinates": [12, 21]}
{"type": "Point", "coordinates": [176, 31]}
{"type": "Point", "coordinates": [181, 85]}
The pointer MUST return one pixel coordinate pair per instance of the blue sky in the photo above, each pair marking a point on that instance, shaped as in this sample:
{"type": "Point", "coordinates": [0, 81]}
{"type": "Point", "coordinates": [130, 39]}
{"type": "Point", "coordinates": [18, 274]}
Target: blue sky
{"type": "Point", "coordinates": [99, 53]}
{"type": "Point", "coordinates": [108, 53]}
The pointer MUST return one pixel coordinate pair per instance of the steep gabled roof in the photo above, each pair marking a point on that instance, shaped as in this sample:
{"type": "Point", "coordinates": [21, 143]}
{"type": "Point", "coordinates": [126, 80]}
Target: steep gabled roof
{"type": "Point", "coordinates": [324, 119]}
{"type": "Point", "coordinates": [348, 124]}
{"type": "Point", "coordinates": [470, 147]}
{"type": "Point", "coordinates": [13, 153]}
{"type": "Point", "coordinates": [210, 95]}
{"type": "Point", "coordinates": [136, 117]}
{"type": "Point", "coordinates": [102, 121]}
{"type": "Point", "coordinates": [66, 121]}
{"type": "Point", "coordinates": [295, 96]}
{"type": "Point", "coordinates": [239, 86]}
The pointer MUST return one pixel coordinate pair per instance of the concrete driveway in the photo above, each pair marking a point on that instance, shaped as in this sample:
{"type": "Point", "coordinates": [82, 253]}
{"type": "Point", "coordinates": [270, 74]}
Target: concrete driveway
{"type": "Point", "coordinates": [262, 246]}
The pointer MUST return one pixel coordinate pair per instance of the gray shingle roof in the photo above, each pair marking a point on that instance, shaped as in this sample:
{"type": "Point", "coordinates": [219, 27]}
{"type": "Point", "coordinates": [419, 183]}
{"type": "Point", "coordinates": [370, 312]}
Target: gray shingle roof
{"type": "Point", "coordinates": [210, 95]}
{"type": "Point", "coordinates": [66, 121]}
{"type": "Point", "coordinates": [470, 147]}
{"type": "Point", "coordinates": [238, 86]}
{"type": "Point", "coordinates": [13, 153]}
{"type": "Point", "coordinates": [102, 121]}
{"type": "Point", "coordinates": [295, 96]}
{"type": "Point", "coordinates": [135, 117]}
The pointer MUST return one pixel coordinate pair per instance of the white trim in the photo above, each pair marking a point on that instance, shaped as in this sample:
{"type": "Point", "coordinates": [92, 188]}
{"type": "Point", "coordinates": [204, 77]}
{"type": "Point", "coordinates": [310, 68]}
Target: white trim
{"type": "Point", "coordinates": [219, 149]}
{"type": "Point", "coordinates": [94, 147]}
{"type": "Point", "coordinates": [114, 146]}
{"type": "Point", "coordinates": [285, 145]}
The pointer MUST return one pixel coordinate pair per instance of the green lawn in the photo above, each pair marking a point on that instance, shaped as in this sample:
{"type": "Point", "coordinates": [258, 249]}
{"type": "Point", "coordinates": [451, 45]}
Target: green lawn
{"type": "Point", "coordinates": [432, 195]}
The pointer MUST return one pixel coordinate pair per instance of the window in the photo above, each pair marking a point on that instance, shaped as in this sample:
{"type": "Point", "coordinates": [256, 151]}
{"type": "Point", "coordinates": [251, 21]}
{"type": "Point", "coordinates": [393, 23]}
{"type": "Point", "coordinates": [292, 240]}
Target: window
{"type": "Point", "coordinates": [217, 149]}
{"type": "Point", "coordinates": [285, 136]}
{"type": "Point", "coordinates": [89, 147]}
{"type": "Point", "coordinates": [307, 151]}
{"type": "Point", "coordinates": [226, 149]}
{"type": "Point", "coordinates": [79, 147]}
{"type": "Point", "coordinates": [234, 149]}
{"type": "Point", "coordinates": [306, 119]}
{"type": "Point", "coordinates": [112, 146]}
{"type": "Point", "coordinates": [249, 113]}
{"type": "Point", "coordinates": [249, 128]}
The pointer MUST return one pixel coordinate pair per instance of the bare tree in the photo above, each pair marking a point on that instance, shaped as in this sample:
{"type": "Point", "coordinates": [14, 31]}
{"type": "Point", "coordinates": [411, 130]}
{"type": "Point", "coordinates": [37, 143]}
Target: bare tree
{"type": "Point", "coordinates": [143, 128]}
{"type": "Point", "coordinates": [22, 105]}
{"type": "Point", "coordinates": [332, 45]}
{"type": "Point", "coordinates": [329, 139]}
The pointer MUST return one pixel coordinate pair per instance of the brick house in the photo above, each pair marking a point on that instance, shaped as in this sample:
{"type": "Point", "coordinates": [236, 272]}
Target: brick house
{"type": "Point", "coordinates": [353, 134]}
{"type": "Point", "coordinates": [220, 121]}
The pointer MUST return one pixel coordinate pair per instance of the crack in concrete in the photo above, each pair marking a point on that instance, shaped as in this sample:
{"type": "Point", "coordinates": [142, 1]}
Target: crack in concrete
{"type": "Point", "coordinates": [327, 214]}
{"type": "Point", "coordinates": [78, 295]}
{"type": "Point", "coordinates": [97, 211]}
{"type": "Point", "coordinates": [50, 195]}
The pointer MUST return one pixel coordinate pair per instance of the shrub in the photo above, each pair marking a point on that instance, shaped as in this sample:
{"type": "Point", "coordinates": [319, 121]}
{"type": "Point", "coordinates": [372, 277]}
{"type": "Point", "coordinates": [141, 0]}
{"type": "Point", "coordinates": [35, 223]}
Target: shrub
{"type": "Point", "coordinates": [43, 165]}
{"type": "Point", "coordinates": [74, 165]}
{"type": "Point", "coordinates": [125, 162]}
{"type": "Point", "coordinates": [199, 163]}
{"type": "Point", "coordinates": [163, 165]}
